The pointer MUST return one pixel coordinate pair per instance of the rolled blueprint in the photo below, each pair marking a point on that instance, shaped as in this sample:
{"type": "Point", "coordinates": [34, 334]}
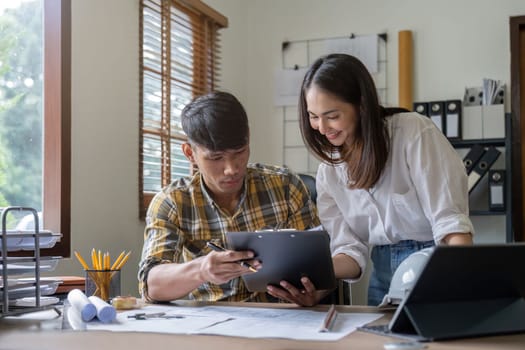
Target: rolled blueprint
{"type": "Point", "coordinates": [80, 302]}
{"type": "Point", "coordinates": [105, 312]}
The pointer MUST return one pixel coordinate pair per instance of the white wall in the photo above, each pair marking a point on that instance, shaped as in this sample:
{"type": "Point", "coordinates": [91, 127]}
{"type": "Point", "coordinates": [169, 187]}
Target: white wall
{"type": "Point", "coordinates": [456, 44]}
{"type": "Point", "coordinates": [104, 135]}
{"type": "Point", "coordinates": [468, 40]}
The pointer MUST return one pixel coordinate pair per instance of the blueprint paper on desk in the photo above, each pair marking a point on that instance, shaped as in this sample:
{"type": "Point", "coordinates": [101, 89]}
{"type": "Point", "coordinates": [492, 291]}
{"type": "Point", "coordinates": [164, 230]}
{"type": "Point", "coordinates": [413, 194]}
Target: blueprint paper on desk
{"type": "Point", "coordinates": [249, 322]}
{"type": "Point", "coordinates": [178, 320]}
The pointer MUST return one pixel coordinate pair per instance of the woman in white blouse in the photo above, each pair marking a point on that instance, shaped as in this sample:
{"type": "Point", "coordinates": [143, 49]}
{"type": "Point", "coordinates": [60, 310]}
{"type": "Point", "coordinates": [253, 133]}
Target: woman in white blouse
{"type": "Point", "coordinates": [389, 179]}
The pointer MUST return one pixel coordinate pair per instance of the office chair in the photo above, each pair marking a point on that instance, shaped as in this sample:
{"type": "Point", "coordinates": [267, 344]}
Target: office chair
{"type": "Point", "coordinates": [342, 293]}
{"type": "Point", "coordinates": [309, 181]}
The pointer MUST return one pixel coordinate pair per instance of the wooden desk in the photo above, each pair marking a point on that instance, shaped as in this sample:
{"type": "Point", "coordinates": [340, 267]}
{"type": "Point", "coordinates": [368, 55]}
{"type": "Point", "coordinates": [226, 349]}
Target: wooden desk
{"type": "Point", "coordinates": [28, 333]}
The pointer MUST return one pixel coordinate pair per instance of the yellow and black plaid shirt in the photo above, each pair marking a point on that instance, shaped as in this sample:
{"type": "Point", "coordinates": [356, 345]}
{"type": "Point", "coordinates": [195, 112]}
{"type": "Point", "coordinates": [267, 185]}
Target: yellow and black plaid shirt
{"type": "Point", "coordinates": [183, 217]}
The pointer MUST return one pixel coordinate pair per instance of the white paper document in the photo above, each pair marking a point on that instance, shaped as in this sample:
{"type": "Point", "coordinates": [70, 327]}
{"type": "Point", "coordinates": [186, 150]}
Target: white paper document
{"type": "Point", "coordinates": [25, 240]}
{"type": "Point", "coordinates": [287, 86]}
{"type": "Point", "coordinates": [249, 322]}
{"type": "Point", "coordinates": [364, 47]}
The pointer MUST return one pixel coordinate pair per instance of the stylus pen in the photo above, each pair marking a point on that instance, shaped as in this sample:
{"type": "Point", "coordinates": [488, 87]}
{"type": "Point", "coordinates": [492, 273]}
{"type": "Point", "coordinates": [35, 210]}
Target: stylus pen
{"type": "Point", "coordinates": [221, 249]}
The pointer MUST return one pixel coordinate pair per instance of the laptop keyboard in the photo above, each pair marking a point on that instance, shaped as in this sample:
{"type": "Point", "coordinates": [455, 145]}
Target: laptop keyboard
{"type": "Point", "coordinates": [382, 329]}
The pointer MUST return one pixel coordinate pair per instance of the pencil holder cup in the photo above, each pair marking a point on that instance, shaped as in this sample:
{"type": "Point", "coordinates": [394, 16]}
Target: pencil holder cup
{"type": "Point", "coordinates": [104, 284]}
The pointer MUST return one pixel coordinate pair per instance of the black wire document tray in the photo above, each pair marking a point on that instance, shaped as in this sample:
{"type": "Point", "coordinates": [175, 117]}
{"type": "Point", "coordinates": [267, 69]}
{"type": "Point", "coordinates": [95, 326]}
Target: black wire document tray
{"type": "Point", "coordinates": [286, 255]}
{"type": "Point", "coordinates": [19, 296]}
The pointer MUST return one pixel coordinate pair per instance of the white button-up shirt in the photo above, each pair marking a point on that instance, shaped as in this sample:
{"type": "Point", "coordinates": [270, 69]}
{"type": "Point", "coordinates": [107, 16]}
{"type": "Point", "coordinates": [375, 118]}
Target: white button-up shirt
{"type": "Point", "coordinates": [421, 195]}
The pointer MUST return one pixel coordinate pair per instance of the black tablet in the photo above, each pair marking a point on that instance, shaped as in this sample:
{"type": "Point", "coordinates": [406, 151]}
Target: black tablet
{"type": "Point", "coordinates": [464, 291]}
{"type": "Point", "coordinates": [286, 255]}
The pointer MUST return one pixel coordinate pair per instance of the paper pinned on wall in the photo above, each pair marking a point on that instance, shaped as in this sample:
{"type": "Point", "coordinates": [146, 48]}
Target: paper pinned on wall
{"type": "Point", "coordinates": [364, 47]}
{"type": "Point", "coordinates": [287, 86]}
{"type": "Point", "coordinates": [288, 81]}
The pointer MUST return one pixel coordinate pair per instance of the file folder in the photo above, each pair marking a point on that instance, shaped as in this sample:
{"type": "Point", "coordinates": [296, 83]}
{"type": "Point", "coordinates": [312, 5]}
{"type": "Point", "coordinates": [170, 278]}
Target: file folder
{"type": "Point", "coordinates": [421, 108]}
{"type": "Point", "coordinates": [482, 167]}
{"type": "Point", "coordinates": [437, 114]}
{"type": "Point", "coordinates": [472, 157]}
{"type": "Point", "coordinates": [497, 190]}
{"type": "Point", "coordinates": [453, 119]}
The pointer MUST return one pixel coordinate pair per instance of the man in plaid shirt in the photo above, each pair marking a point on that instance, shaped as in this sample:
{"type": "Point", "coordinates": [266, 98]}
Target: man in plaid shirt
{"type": "Point", "coordinates": [225, 194]}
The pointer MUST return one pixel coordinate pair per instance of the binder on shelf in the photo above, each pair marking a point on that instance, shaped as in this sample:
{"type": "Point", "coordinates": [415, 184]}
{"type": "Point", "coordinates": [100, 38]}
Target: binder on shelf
{"type": "Point", "coordinates": [472, 157]}
{"type": "Point", "coordinates": [497, 190]}
{"type": "Point", "coordinates": [482, 167]}
{"type": "Point", "coordinates": [421, 108]}
{"type": "Point", "coordinates": [437, 114]}
{"type": "Point", "coordinates": [453, 119]}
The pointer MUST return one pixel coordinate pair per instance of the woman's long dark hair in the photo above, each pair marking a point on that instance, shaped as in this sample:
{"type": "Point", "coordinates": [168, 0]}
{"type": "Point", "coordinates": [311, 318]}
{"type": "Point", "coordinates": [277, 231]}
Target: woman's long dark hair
{"type": "Point", "coordinates": [345, 77]}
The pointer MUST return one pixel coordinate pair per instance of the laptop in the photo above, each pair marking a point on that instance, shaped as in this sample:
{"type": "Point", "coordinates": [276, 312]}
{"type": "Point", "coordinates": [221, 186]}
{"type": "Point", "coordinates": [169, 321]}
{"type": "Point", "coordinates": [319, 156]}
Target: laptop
{"type": "Point", "coordinates": [464, 291]}
{"type": "Point", "coordinates": [286, 255]}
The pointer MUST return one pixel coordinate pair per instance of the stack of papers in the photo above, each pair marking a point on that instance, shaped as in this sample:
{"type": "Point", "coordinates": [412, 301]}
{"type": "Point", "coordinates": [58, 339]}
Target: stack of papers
{"type": "Point", "coordinates": [493, 92]}
{"type": "Point", "coordinates": [25, 240]}
{"type": "Point", "coordinates": [46, 264]}
{"type": "Point", "coordinates": [31, 301]}
{"type": "Point", "coordinates": [23, 288]}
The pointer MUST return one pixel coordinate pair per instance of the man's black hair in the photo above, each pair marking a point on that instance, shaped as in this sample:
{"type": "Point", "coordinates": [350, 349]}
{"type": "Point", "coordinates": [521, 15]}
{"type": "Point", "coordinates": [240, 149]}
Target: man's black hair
{"type": "Point", "coordinates": [216, 121]}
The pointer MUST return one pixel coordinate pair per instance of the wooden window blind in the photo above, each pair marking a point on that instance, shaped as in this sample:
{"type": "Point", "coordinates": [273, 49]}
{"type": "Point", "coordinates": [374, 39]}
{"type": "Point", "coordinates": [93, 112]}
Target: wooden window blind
{"type": "Point", "coordinates": [179, 59]}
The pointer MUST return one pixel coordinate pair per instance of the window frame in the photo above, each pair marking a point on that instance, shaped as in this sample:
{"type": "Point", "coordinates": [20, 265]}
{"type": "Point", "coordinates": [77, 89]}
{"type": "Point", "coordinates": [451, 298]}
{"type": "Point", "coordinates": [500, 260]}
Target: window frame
{"type": "Point", "coordinates": [204, 62]}
{"type": "Point", "coordinates": [57, 124]}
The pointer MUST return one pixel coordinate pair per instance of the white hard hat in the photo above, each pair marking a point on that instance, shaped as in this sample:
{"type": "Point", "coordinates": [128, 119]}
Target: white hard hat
{"type": "Point", "coordinates": [405, 276]}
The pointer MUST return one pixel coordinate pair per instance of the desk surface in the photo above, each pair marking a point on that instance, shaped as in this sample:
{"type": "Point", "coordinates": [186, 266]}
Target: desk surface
{"type": "Point", "coordinates": [42, 331]}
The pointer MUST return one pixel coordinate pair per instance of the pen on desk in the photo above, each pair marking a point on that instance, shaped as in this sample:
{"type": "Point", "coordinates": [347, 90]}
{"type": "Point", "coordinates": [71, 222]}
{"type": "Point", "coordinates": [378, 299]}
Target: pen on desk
{"type": "Point", "coordinates": [221, 249]}
{"type": "Point", "coordinates": [329, 319]}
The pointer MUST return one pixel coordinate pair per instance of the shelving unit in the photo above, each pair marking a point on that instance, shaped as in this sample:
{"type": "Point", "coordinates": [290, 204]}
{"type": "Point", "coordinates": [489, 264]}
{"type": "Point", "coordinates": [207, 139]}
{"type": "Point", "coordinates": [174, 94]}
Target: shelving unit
{"type": "Point", "coordinates": [505, 143]}
{"type": "Point", "coordinates": [8, 306]}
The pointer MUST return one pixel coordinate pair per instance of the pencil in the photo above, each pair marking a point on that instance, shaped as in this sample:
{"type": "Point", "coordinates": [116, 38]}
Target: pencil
{"type": "Point", "coordinates": [115, 264]}
{"type": "Point", "coordinates": [82, 261]}
{"type": "Point", "coordinates": [124, 260]}
{"type": "Point", "coordinates": [94, 259]}
{"type": "Point", "coordinates": [217, 248]}
{"type": "Point", "coordinates": [107, 258]}
{"type": "Point", "coordinates": [99, 261]}
{"type": "Point", "coordinates": [329, 319]}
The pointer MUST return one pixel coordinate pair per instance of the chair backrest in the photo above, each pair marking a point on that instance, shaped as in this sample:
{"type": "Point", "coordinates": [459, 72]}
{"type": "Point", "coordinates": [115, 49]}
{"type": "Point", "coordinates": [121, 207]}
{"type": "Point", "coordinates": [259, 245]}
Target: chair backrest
{"type": "Point", "coordinates": [342, 295]}
{"type": "Point", "coordinates": [309, 181]}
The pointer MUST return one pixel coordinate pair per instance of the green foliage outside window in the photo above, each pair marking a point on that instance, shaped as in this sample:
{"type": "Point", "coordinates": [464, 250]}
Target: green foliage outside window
{"type": "Point", "coordinates": [21, 116]}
